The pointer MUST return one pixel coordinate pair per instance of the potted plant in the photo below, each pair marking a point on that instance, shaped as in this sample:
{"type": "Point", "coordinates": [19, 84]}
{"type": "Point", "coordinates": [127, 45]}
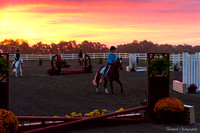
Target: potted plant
{"type": "Point", "coordinates": [158, 79]}
{"type": "Point", "coordinates": [4, 84]}
{"type": "Point", "coordinates": [159, 65]}
{"type": "Point", "coordinates": [192, 88]}
{"type": "Point", "coordinates": [176, 67]}
{"type": "Point", "coordinates": [9, 122]}
{"type": "Point", "coordinates": [169, 110]}
{"type": "Point", "coordinates": [4, 67]}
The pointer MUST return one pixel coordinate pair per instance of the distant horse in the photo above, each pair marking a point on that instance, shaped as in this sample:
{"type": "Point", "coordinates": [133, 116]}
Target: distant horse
{"type": "Point", "coordinates": [81, 60]}
{"type": "Point", "coordinates": [112, 75]}
{"type": "Point", "coordinates": [18, 65]}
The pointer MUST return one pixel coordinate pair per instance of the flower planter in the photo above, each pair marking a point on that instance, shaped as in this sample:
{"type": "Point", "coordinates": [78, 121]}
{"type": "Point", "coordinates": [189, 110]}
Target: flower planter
{"type": "Point", "coordinates": [179, 87]}
{"type": "Point", "coordinates": [158, 89]}
{"type": "Point", "coordinates": [170, 117]}
{"type": "Point", "coordinates": [127, 68]}
{"type": "Point", "coordinates": [186, 117]}
{"type": "Point", "coordinates": [158, 85]}
{"type": "Point", "coordinates": [4, 95]}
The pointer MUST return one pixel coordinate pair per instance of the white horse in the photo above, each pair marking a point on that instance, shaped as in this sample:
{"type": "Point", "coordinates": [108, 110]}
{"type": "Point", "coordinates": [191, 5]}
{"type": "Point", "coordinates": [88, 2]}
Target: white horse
{"type": "Point", "coordinates": [18, 65]}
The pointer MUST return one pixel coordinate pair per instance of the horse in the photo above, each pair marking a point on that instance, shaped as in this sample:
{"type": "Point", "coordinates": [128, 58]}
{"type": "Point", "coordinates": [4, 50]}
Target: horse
{"type": "Point", "coordinates": [112, 75]}
{"type": "Point", "coordinates": [18, 65]}
{"type": "Point", "coordinates": [81, 60]}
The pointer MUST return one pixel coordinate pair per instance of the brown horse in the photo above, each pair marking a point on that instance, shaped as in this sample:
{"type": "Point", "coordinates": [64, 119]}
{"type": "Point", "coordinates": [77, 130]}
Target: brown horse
{"type": "Point", "coordinates": [113, 75]}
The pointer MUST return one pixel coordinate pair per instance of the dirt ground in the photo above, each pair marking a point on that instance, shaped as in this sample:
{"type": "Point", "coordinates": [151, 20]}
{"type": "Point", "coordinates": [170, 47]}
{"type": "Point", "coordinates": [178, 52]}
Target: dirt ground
{"type": "Point", "coordinates": [38, 94]}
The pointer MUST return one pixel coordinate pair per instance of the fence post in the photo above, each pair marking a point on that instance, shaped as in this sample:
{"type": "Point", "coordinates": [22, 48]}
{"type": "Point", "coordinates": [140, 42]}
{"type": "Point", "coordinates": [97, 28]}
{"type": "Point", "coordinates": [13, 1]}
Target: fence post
{"type": "Point", "coordinates": [26, 57]}
{"type": "Point", "coordinates": [94, 55]}
{"type": "Point", "coordinates": [50, 56]}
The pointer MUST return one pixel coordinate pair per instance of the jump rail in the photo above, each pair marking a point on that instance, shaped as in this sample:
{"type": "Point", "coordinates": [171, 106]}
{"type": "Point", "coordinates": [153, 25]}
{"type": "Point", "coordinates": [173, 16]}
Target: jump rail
{"type": "Point", "coordinates": [100, 117]}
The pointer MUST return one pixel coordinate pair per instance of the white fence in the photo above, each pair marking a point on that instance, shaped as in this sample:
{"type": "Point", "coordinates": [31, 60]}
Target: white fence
{"type": "Point", "coordinates": [191, 69]}
{"type": "Point", "coordinates": [174, 58]}
{"type": "Point", "coordinates": [28, 57]}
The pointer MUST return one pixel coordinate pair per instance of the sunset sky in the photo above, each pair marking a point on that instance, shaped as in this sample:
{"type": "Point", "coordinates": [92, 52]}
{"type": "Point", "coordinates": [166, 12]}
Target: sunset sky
{"type": "Point", "coordinates": [111, 22]}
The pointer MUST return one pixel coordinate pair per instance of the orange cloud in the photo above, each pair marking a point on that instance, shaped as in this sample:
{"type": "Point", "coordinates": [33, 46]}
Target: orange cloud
{"type": "Point", "coordinates": [111, 22]}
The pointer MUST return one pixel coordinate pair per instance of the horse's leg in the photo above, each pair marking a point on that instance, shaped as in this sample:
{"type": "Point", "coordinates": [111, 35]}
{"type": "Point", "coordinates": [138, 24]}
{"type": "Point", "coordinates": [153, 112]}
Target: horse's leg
{"type": "Point", "coordinates": [97, 80]}
{"type": "Point", "coordinates": [111, 86]}
{"type": "Point", "coordinates": [20, 68]}
{"type": "Point", "coordinates": [105, 83]}
{"type": "Point", "coordinates": [16, 71]}
{"type": "Point", "coordinates": [118, 81]}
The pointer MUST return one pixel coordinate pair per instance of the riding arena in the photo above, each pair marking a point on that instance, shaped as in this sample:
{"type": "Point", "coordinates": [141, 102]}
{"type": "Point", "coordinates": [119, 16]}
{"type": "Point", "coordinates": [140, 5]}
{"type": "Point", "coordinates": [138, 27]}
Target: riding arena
{"type": "Point", "coordinates": [37, 93]}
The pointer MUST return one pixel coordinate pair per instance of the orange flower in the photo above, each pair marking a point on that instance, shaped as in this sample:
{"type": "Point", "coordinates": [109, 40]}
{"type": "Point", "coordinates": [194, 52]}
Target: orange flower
{"type": "Point", "coordinates": [171, 104]}
{"type": "Point", "coordinates": [8, 121]}
{"type": "Point", "coordinates": [2, 129]}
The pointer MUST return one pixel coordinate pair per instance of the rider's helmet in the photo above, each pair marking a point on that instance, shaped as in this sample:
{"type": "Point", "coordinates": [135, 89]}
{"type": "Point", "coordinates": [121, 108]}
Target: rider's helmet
{"type": "Point", "coordinates": [112, 48]}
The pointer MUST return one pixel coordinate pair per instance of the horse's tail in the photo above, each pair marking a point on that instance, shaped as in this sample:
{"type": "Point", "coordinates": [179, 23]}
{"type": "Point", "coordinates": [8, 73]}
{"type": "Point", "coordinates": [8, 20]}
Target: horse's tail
{"type": "Point", "coordinates": [97, 77]}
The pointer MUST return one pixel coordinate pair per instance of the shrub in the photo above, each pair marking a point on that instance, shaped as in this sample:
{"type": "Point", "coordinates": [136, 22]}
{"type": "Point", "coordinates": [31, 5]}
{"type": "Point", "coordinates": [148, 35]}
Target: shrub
{"type": "Point", "coordinates": [159, 66]}
{"type": "Point", "coordinates": [192, 88]}
{"type": "Point", "coordinates": [169, 109]}
{"type": "Point", "coordinates": [4, 67]}
{"type": "Point", "coordinates": [180, 80]}
{"type": "Point", "coordinates": [8, 122]}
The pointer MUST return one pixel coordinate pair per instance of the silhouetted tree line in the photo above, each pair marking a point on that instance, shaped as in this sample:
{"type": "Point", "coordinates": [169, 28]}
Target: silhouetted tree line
{"type": "Point", "coordinates": [64, 47]}
{"type": "Point", "coordinates": [148, 46]}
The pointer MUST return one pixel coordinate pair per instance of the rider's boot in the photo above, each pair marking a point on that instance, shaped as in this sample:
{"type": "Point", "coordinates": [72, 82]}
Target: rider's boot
{"type": "Point", "coordinates": [106, 90]}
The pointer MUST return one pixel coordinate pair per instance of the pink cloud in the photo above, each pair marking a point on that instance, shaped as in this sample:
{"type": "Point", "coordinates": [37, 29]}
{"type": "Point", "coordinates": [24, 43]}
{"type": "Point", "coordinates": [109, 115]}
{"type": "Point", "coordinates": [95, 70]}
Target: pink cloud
{"type": "Point", "coordinates": [110, 6]}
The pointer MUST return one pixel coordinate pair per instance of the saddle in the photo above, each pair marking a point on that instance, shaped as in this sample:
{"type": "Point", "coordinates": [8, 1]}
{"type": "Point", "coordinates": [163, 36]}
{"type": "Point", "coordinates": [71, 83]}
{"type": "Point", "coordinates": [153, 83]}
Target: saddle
{"type": "Point", "coordinates": [102, 70]}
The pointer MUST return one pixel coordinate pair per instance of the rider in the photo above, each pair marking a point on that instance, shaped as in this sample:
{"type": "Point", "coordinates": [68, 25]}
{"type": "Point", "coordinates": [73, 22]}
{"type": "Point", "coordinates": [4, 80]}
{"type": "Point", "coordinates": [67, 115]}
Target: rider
{"type": "Point", "coordinates": [80, 57]}
{"type": "Point", "coordinates": [112, 57]}
{"type": "Point", "coordinates": [17, 57]}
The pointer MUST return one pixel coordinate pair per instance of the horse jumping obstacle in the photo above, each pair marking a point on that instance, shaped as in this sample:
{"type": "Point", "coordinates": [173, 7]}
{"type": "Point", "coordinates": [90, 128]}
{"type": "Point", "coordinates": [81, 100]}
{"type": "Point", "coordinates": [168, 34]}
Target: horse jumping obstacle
{"type": "Point", "coordinates": [133, 60]}
{"type": "Point", "coordinates": [190, 73]}
{"type": "Point", "coordinates": [86, 69]}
